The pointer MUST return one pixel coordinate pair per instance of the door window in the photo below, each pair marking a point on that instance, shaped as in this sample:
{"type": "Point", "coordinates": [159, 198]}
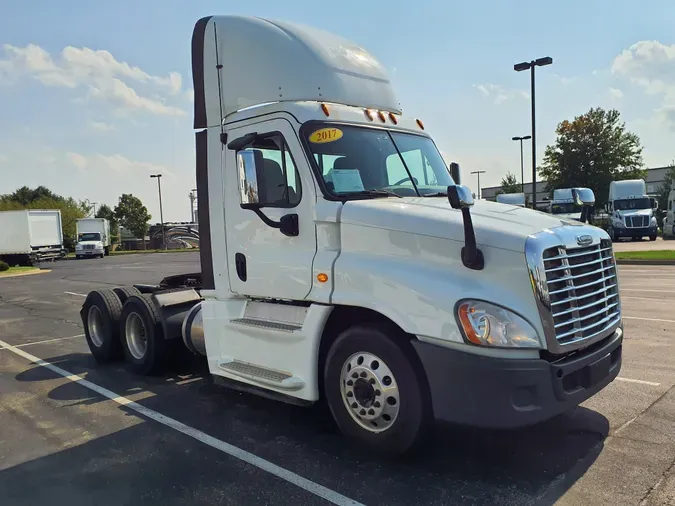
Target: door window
{"type": "Point", "coordinates": [278, 178]}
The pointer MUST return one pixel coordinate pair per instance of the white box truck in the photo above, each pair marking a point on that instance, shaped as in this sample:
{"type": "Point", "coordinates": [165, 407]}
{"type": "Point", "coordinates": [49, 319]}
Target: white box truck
{"type": "Point", "coordinates": [342, 260]}
{"type": "Point", "coordinates": [93, 238]}
{"type": "Point", "coordinates": [30, 236]}
{"type": "Point", "coordinates": [631, 210]}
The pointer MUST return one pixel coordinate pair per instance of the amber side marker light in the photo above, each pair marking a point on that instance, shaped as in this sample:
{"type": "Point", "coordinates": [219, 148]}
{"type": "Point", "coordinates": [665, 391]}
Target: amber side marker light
{"type": "Point", "coordinates": [322, 277]}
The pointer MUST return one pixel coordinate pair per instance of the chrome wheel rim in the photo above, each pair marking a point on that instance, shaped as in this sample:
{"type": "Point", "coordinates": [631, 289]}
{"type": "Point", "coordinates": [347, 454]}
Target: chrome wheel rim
{"type": "Point", "coordinates": [370, 392]}
{"type": "Point", "coordinates": [136, 336]}
{"type": "Point", "coordinates": [95, 326]}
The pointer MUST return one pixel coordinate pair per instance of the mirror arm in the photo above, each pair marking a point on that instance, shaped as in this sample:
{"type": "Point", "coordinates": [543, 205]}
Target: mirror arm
{"type": "Point", "coordinates": [472, 257]}
{"type": "Point", "coordinates": [288, 225]}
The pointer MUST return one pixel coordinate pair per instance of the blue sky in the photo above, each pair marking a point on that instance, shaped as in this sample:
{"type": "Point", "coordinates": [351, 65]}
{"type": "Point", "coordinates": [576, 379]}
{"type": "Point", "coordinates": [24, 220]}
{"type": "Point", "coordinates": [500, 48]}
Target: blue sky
{"type": "Point", "coordinates": [96, 96]}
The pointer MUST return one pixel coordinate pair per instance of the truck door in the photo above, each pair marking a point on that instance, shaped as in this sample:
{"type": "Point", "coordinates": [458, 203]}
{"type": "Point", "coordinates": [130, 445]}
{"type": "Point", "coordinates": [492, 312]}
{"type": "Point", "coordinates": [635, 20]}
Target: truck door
{"type": "Point", "coordinates": [262, 260]}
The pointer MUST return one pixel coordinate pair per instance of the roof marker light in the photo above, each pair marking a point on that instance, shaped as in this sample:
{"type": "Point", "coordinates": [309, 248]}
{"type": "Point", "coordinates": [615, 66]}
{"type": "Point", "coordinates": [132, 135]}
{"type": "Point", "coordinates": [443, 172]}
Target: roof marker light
{"type": "Point", "coordinates": [380, 114]}
{"type": "Point", "coordinates": [393, 119]}
{"type": "Point", "coordinates": [369, 114]}
{"type": "Point", "coordinates": [324, 108]}
{"type": "Point", "coordinates": [420, 124]}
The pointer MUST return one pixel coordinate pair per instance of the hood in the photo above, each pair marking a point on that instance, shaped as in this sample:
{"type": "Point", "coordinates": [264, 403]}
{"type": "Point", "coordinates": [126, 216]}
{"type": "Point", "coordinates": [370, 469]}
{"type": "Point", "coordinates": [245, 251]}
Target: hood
{"type": "Point", "coordinates": [635, 212]}
{"type": "Point", "coordinates": [497, 225]}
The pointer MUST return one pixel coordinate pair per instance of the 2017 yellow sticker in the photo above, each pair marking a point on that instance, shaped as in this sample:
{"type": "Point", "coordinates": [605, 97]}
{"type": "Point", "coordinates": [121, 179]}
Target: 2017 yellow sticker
{"type": "Point", "coordinates": [324, 135]}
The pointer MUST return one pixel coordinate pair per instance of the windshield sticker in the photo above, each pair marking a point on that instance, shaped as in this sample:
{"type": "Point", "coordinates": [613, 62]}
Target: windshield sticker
{"type": "Point", "coordinates": [325, 135]}
{"type": "Point", "coordinates": [347, 180]}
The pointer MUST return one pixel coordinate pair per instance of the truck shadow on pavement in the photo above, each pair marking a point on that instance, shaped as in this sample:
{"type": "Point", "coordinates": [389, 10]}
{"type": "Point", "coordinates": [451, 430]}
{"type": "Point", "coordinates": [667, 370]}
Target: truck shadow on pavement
{"type": "Point", "coordinates": [458, 465]}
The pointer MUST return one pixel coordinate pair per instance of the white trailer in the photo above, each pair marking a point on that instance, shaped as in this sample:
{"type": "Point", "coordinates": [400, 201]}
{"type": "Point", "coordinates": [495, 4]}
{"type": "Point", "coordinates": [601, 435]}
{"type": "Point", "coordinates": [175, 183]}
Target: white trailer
{"type": "Point", "coordinates": [342, 260]}
{"type": "Point", "coordinates": [30, 236]}
{"type": "Point", "coordinates": [93, 237]}
{"type": "Point", "coordinates": [515, 199]}
{"type": "Point", "coordinates": [631, 210]}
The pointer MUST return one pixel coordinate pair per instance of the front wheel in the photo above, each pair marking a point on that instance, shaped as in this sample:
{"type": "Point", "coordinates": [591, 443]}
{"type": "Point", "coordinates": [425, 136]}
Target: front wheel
{"type": "Point", "coordinates": [376, 390]}
{"type": "Point", "coordinates": [652, 238]}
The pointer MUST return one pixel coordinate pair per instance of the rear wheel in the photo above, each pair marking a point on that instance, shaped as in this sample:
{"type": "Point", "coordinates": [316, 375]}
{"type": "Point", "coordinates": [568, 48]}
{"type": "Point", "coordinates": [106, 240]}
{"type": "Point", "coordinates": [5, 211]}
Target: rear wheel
{"type": "Point", "coordinates": [376, 391]}
{"type": "Point", "coordinates": [100, 315]}
{"type": "Point", "coordinates": [652, 238]}
{"type": "Point", "coordinates": [142, 337]}
{"type": "Point", "coordinates": [124, 292]}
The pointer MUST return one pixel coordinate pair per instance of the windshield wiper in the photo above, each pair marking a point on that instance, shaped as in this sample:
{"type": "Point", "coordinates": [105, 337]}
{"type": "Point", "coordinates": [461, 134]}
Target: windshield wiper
{"type": "Point", "coordinates": [382, 193]}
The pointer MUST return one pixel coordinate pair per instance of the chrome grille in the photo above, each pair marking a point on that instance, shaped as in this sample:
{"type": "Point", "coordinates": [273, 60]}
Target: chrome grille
{"type": "Point", "coordinates": [583, 290]}
{"type": "Point", "coordinates": [89, 246]}
{"type": "Point", "coordinates": [636, 221]}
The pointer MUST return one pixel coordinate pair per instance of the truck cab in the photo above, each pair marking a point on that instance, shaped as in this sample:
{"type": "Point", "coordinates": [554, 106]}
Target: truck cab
{"type": "Point", "coordinates": [342, 260]}
{"type": "Point", "coordinates": [563, 205]}
{"type": "Point", "coordinates": [669, 217]}
{"type": "Point", "coordinates": [631, 210]}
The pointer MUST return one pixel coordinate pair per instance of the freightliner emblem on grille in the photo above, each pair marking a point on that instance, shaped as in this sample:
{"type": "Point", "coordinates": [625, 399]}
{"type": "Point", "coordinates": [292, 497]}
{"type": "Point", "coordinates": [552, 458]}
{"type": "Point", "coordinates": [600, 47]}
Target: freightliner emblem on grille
{"type": "Point", "coordinates": [584, 240]}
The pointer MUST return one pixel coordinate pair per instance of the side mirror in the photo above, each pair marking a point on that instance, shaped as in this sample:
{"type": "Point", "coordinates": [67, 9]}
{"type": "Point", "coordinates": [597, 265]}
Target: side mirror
{"type": "Point", "coordinates": [247, 164]}
{"type": "Point", "coordinates": [583, 196]}
{"type": "Point", "coordinates": [455, 173]}
{"type": "Point", "coordinates": [655, 203]}
{"type": "Point", "coordinates": [460, 197]}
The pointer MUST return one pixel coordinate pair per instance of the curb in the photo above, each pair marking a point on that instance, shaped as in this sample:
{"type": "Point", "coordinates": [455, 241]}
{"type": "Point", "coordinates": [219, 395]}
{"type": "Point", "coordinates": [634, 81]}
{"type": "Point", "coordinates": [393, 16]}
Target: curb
{"type": "Point", "coordinates": [30, 273]}
{"type": "Point", "coordinates": [636, 261]}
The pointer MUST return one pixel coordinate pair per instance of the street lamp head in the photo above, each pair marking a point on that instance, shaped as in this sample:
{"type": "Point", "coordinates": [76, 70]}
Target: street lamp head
{"type": "Point", "coordinates": [519, 67]}
{"type": "Point", "coordinates": [540, 62]}
{"type": "Point", "coordinates": [526, 137]}
{"type": "Point", "coordinates": [155, 175]}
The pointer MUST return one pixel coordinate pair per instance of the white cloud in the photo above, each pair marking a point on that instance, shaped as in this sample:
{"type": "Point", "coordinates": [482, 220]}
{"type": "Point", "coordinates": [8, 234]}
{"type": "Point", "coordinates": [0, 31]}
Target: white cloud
{"type": "Point", "coordinates": [3, 158]}
{"type": "Point", "coordinates": [98, 70]}
{"type": "Point", "coordinates": [101, 126]}
{"type": "Point", "coordinates": [117, 163]}
{"type": "Point", "coordinates": [615, 93]}
{"type": "Point", "coordinates": [650, 65]}
{"type": "Point", "coordinates": [498, 93]}
{"type": "Point", "coordinates": [190, 95]}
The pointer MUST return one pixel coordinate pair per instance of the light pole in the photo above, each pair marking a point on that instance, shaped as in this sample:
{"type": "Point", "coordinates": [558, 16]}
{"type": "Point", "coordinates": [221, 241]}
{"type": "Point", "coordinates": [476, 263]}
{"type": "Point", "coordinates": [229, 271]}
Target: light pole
{"type": "Point", "coordinates": [519, 67]}
{"type": "Point", "coordinates": [161, 213]}
{"type": "Point", "coordinates": [522, 170]}
{"type": "Point", "coordinates": [193, 197]}
{"type": "Point", "coordinates": [478, 172]}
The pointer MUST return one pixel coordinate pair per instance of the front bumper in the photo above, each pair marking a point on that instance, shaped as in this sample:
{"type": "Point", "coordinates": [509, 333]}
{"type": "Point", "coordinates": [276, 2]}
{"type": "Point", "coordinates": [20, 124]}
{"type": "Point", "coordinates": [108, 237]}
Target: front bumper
{"type": "Point", "coordinates": [507, 393]}
{"type": "Point", "coordinates": [635, 232]}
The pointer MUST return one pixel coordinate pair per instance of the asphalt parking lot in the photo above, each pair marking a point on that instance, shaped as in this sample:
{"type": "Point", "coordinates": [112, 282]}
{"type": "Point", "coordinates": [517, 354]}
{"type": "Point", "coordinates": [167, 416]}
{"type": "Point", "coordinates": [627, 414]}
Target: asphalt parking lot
{"type": "Point", "coordinates": [120, 439]}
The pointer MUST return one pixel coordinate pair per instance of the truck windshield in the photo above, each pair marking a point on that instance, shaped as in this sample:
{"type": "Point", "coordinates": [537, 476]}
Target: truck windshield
{"type": "Point", "coordinates": [640, 203]}
{"type": "Point", "coordinates": [90, 237]}
{"type": "Point", "coordinates": [357, 161]}
{"type": "Point", "coordinates": [565, 208]}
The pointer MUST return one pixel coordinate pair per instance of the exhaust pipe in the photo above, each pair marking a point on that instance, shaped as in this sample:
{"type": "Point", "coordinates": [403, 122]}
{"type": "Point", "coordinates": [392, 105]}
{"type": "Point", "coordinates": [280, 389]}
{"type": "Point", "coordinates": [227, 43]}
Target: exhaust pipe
{"type": "Point", "coordinates": [193, 331]}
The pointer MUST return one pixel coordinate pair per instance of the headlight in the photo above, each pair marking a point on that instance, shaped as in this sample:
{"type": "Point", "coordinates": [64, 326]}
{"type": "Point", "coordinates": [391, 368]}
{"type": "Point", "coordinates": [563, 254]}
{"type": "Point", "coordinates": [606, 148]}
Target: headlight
{"type": "Point", "coordinates": [653, 221]}
{"type": "Point", "coordinates": [78, 246]}
{"type": "Point", "coordinates": [486, 324]}
{"type": "Point", "coordinates": [619, 223]}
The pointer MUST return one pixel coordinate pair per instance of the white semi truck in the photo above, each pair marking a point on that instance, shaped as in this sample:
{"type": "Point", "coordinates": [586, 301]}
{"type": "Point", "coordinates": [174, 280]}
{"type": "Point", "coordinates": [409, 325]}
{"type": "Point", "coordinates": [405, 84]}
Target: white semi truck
{"type": "Point", "coordinates": [30, 236]}
{"type": "Point", "coordinates": [342, 261]}
{"type": "Point", "coordinates": [631, 210]}
{"type": "Point", "coordinates": [93, 238]}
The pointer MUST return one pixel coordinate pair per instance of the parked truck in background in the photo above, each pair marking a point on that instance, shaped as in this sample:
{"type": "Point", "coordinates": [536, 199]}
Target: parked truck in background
{"type": "Point", "coordinates": [563, 205]}
{"type": "Point", "coordinates": [342, 260]}
{"type": "Point", "coordinates": [30, 236]}
{"type": "Point", "coordinates": [93, 237]}
{"type": "Point", "coordinates": [515, 199]}
{"type": "Point", "coordinates": [631, 210]}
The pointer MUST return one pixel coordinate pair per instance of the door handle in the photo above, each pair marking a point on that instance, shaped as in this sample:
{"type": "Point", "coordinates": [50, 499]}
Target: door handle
{"type": "Point", "coordinates": [240, 264]}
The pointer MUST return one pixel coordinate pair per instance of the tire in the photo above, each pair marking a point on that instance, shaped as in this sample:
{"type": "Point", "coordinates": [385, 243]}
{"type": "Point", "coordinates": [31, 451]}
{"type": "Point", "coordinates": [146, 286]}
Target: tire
{"type": "Point", "coordinates": [100, 314]}
{"type": "Point", "coordinates": [145, 349]}
{"type": "Point", "coordinates": [124, 292]}
{"type": "Point", "coordinates": [409, 417]}
{"type": "Point", "coordinates": [652, 238]}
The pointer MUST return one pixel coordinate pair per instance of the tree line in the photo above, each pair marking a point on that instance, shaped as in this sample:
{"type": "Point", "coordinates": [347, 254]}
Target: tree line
{"type": "Point", "coordinates": [591, 151]}
{"type": "Point", "coordinates": [129, 212]}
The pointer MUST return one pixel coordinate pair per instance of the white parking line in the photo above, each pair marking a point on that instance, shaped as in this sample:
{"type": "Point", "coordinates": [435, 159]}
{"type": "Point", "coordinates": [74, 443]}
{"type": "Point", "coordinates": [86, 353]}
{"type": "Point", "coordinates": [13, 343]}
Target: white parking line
{"type": "Point", "coordinates": [308, 485]}
{"type": "Point", "coordinates": [45, 341]}
{"type": "Point", "coordinates": [647, 319]}
{"type": "Point", "coordinates": [641, 382]}
{"type": "Point", "coordinates": [75, 293]}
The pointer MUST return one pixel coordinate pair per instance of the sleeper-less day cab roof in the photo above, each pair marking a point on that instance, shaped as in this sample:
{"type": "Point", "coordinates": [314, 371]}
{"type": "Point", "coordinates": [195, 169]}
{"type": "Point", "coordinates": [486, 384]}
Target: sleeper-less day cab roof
{"type": "Point", "coordinates": [258, 61]}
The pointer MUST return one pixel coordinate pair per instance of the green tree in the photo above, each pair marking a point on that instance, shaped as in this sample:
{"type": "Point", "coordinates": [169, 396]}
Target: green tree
{"type": "Point", "coordinates": [510, 184]}
{"type": "Point", "coordinates": [591, 151]}
{"type": "Point", "coordinates": [43, 198]}
{"type": "Point", "coordinates": [133, 215]}
{"type": "Point", "coordinates": [106, 212]}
